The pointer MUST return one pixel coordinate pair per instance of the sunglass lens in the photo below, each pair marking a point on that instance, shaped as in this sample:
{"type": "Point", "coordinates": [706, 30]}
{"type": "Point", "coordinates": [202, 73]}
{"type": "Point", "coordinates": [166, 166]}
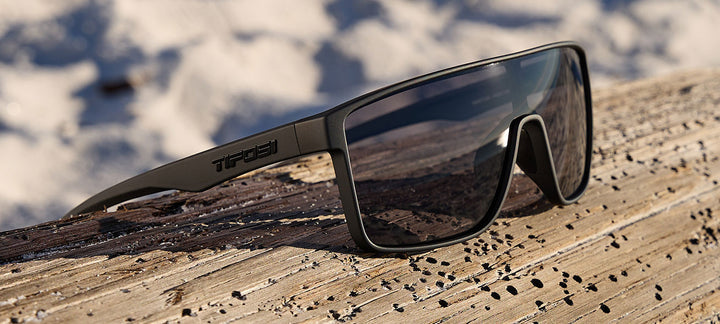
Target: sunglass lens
{"type": "Point", "coordinates": [427, 161]}
{"type": "Point", "coordinates": [565, 115]}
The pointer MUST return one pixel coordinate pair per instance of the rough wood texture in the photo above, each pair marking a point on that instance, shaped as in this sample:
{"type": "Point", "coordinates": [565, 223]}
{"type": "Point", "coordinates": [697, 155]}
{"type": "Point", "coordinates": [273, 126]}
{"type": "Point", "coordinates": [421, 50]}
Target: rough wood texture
{"type": "Point", "coordinates": [642, 245]}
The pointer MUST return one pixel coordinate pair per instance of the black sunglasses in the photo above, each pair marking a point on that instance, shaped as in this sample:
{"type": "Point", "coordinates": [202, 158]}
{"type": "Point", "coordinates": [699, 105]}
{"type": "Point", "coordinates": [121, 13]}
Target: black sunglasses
{"type": "Point", "coordinates": [426, 162]}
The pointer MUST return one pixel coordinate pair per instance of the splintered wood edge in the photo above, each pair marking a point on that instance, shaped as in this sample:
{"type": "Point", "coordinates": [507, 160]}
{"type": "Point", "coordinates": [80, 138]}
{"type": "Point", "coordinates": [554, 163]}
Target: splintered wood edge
{"type": "Point", "coordinates": [641, 245]}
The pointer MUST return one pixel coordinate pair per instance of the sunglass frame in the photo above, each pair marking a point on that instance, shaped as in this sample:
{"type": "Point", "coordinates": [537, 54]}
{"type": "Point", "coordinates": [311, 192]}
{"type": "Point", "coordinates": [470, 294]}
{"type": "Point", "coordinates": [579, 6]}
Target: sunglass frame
{"type": "Point", "coordinates": [325, 132]}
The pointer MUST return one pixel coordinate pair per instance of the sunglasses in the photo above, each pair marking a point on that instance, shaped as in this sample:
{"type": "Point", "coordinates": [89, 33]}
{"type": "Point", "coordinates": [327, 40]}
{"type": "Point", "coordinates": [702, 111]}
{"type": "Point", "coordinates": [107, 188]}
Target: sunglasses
{"type": "Point", "coordinates": [426, 162]}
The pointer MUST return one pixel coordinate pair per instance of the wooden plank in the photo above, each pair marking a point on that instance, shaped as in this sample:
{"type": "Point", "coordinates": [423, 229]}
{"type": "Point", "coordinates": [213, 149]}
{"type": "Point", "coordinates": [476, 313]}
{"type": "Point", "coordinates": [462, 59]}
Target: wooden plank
{"type": "Point", "coordinates": [641, 245]}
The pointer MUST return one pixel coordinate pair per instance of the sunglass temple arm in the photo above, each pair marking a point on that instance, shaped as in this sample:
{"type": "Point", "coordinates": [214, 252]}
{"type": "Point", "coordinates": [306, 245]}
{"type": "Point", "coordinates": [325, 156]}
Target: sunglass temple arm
{"type": "Point", "coordinates": [212, 167]}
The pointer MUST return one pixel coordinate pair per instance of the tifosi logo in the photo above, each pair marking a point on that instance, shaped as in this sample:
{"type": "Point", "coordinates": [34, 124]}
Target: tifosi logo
{"type": "Point", "coordinates": [246, 155]}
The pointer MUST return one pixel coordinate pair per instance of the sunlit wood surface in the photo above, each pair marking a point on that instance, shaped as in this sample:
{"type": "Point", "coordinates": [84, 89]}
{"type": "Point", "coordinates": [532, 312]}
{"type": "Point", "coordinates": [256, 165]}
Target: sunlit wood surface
{"type": "Point", "coordinates": [641, 245]}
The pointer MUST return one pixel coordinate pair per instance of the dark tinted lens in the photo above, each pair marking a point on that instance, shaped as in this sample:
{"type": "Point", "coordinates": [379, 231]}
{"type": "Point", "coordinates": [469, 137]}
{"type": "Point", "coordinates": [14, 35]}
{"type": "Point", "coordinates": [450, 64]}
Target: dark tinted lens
{"type": "Point", "coordinates": [564, 114]}
{"type": "Point", "coordinates": [427, 161]}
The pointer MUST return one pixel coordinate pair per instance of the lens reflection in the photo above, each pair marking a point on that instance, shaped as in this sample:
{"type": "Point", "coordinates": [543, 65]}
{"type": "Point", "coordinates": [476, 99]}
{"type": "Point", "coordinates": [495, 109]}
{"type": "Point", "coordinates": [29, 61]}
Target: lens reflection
{"type": "Point", "coordinates": [564, 114]}
{"type": "Point", "coordinates": [427, 161]}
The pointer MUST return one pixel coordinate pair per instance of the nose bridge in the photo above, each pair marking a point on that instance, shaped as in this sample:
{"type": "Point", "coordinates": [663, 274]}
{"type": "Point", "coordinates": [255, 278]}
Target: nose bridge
{"type": "Point", "coordinates": [534, 156]}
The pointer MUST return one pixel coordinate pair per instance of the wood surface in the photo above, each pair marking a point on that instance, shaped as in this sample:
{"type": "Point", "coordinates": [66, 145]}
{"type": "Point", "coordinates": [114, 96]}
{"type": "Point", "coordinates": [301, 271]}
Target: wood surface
{"type": "Point", "coordinates": [272, 246]}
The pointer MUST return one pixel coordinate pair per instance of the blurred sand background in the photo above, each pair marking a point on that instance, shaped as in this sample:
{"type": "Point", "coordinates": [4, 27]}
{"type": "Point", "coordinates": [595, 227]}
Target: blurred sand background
{"type": "Point", "coordinates": [93, 92]}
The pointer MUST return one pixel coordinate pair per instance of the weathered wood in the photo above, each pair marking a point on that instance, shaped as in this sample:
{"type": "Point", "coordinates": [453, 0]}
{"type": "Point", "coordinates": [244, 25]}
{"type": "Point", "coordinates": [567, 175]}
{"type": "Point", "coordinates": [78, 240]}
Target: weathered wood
{"type": "Point", "coordinates": [641, 245]}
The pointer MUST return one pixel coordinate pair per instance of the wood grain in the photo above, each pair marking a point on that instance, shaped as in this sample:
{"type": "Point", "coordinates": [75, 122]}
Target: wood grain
{"type": "Point", "coordinates": [272, 246]}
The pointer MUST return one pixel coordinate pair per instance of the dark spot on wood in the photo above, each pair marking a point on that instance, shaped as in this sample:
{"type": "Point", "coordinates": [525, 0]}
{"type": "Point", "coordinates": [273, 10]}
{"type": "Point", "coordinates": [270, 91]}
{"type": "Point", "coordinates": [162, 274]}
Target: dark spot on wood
{"type": "Point", "coordinates": [623, 273]}
{"type": "Point", "coordinates": [658, 287]}
{"type": "Point", "coordinates": [186, 312]}
{"type": "Point", "coordinates": [570, 227]}
{"type": "Point", "coordinates": [443, 303]}
{"type": "Point", "coordinates": [612, 278]}
{"type": "Point", "coordinates": [222, 311]}
{"type": "Point", "coordinates": [509, 237]}
{"type": "Point", "coordinates": [555, 269]}
{"type": "Point", "coordinates": [657, 296]}
{"type": "Point", "coordinates": [467, 259]}
{"type": "Point", "coordinates": [385, 284]}
{"type": "Point", "coordinates": [495, 295]}
{"type": "Point", "coordinates": [537, 283]}
{"type": "Point", "coordinates": [629, 157]}
{"type": "Point", "coordinates": [423, 280]}
{"type": "Point", "coordinates": [562, 284]}
{"type": "Point", "coordinates": [686, 90]}
{"type": "Point", "coordinates": [439, 283]}
{"type": "Point", "coordinates": [604, 308]}
{"type": "Point", "coordinates": [451, 277]}
{"type": "Point", "coordinates": [565, 274]}
{"type": "Point", "coordinates": [16, 270]}
{"type": "Point", "coordinates": [486, 266]}
{"type": "Point", "coordinates": [538, 303]}
{"type": "Point", "coordinates": [687, 249]}
{"type": "Point", "coordinates": [694, 241]}
{"type": "Point", "coordinates": [426, 272]}
{"type": "Point", "coordinates": [431, 260]}
{"type": "Point", "coordinates": [568, 300]}
{"type": "Point", "coordinates": [331, 298]}
{"type": "Point", "coordinates": [616, 188]}
{"type": "Point", "coordinates": [592, 287]}
{"type": "Point", "coordinates": [577, 278]}
{"type": "Point", "coordinates": [441, 273]}
{"type": "Point", "coordinates": [445, 263]}
{"type": "Point", "coordinates": [140, 260]}
{"type": "Point", "coordinates": [237, 295]}
{"type": "Point", "coordinates": [615, 244]}
{"type": "Point", "coordinates": [485, 288]}
{"type": "Point", "coordinates": [512, 290]}
{"type": "Point", "coordinates": [532, 237]}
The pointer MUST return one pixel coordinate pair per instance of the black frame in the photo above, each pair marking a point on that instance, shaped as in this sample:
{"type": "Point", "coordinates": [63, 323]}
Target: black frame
{"type": "Point", "coordinates": [325, 132]}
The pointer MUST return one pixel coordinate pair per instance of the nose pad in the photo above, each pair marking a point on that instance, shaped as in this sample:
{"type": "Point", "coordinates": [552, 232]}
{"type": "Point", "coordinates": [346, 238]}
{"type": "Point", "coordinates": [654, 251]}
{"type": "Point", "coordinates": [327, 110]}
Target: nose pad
{"type": "Point", "coordinates": [533, 157]}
